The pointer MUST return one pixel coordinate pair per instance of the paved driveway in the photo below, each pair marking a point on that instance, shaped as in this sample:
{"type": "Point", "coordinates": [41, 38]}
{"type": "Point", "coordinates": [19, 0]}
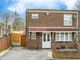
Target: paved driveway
{"type": "Point", "coordinates": [19, 53]}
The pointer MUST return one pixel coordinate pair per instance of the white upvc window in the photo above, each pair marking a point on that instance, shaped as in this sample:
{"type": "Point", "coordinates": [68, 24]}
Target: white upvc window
{"type": "Point", "coordinates": [57, 36]}
{"type": "Point", "coordinates": [32, 35]}
{"type": "Point", "coordinates": [67, 19]}
{"type": "Point", "coordinates": [70, 36]}
{"type": "Point", "coordinates": [34, 16]}
{"type": "Point", "coordinates": [66, 36]}
{"type": "Point", "coordinates": [63, 36]}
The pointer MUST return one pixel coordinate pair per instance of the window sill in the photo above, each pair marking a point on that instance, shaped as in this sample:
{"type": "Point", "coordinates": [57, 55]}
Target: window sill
{"type": "Point", "coordinates": [32, 38]}
{"type": "Point", "coordinates": [35, 19]}
{"type": "Point", "coordinates": [68, 25]}
{"type": "Point", "coordinates": [63, 41]}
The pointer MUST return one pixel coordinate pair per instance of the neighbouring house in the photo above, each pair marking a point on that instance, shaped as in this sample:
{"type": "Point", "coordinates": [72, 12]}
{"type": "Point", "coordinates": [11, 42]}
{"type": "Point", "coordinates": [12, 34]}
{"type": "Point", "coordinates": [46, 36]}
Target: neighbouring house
{"type": "Point", "coordinates": [47, 28]}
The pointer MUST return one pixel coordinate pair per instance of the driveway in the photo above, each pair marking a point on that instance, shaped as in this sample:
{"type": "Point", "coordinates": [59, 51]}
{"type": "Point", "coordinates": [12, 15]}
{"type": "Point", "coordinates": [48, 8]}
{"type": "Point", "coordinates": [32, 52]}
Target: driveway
{"type": "Point", "coordinates": [20, 53]}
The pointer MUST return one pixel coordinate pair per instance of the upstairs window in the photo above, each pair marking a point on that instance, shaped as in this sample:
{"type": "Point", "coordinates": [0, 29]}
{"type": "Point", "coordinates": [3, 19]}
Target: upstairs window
{"type": "Point", "coordinates": [34, 16]}
{"type": "Point", "coordinates": [67, 19]}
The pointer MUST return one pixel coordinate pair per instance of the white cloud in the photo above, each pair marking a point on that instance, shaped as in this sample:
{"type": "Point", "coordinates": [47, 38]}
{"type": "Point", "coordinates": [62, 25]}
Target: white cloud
{"type": "Point", "coordinates": [22, 5]}
{"type": "Point", "coordinates": [70, 3]}
{"type": "Point", "coordinates": [17, 7]}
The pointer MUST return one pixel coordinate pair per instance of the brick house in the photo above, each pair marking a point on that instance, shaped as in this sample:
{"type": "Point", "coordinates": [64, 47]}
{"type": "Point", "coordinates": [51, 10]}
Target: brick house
{"type": "Point", "coordinates": [46, 28]}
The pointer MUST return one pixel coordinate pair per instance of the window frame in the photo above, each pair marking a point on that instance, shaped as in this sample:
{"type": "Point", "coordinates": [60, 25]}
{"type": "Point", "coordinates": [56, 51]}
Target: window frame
{"type": "Point", "coordinates": [68, 19]}
{"type": "Point", "coordinates": [32, 35]}
{"type": "Point", "coordinates": [34, 15]}
{"type": "Point", "coordinates": [64, 37]}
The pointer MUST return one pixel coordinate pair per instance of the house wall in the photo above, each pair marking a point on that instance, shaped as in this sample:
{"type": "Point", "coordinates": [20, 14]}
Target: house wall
{"type": "Point", "coordinates": [51, 20]}
{"type": "Point", "coordinates": [35, 43]}
{"type": "Point", "coordinates": [79, 27]}
{"type": "Point", "coordinates": [78, 18]}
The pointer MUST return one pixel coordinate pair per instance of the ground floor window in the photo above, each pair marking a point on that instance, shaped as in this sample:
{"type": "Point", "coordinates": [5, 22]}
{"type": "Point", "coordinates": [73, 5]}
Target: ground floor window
{"type": "Point", "coordinates": [63, 36]}
{"type": "Point", "coordinates": [32, 35]}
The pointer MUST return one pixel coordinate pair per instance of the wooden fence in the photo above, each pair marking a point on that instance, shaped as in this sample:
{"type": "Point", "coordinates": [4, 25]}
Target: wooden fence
{"type": "Point", "coordinates": [18, 39]}
{"type": "Point", "coordinates": [5, 42]}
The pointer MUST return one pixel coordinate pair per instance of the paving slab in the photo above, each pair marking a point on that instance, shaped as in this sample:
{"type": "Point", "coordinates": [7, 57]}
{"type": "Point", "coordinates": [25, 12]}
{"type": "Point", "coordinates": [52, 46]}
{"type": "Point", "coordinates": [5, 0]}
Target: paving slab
{"type": "Point", "coordinates": [20, 53]}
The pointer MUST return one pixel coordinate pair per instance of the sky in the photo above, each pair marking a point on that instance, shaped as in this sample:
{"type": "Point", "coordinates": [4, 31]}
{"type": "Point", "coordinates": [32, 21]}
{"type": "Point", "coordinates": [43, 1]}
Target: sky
{"type": "Point", "coordinates": [21, 5]}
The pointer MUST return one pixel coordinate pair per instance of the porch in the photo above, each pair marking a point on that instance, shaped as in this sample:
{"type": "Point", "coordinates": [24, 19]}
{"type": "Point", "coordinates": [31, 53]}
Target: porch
{"type": "Point", "coordinates": [59, 40]}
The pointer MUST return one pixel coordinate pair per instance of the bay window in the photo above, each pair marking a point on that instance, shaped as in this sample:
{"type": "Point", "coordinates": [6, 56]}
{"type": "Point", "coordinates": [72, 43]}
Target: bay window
{"type": "Point", "coordinates": [63, 36]}
{"type": "Point", "coordinates": [66, 36]}
{"type": "Point", "coordinates": [57, 36]}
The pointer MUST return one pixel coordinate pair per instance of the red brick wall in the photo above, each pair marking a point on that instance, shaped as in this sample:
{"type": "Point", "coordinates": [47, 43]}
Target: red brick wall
{"type": "Point", "coordinates": [79, 18]}
{"type": "Point", "coordinates": [35, 43]}
{"type": "Point", "coordinates": [79, 27]}
{"type": "Point", "coordinates": [51, 20]}
{"type": "Point", "coordinates": [4, 43]}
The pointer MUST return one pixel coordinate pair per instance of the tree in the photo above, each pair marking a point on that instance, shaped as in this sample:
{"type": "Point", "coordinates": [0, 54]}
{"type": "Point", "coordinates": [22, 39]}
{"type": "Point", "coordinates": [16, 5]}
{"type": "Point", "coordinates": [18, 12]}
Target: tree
{"type": "Point", "coordinates": [18, 24]}
{"type": "Point", "coordinates": [5, 17]}
{"type": "Point", "coordinates": [77, 4]}
{"type": "Point", "coordinates": [15, 19]}
{"type": "Point", "coordinates": [0, 28]}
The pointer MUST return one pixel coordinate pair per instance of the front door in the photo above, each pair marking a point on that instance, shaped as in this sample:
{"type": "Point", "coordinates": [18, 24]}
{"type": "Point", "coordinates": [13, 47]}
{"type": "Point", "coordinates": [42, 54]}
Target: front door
{"type": "Point", "coordinates": [46, 40]}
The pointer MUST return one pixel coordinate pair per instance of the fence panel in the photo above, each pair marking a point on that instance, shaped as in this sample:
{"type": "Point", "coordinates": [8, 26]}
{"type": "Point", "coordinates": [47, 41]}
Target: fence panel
{"type": "Point", "coordinates": [5, 43]}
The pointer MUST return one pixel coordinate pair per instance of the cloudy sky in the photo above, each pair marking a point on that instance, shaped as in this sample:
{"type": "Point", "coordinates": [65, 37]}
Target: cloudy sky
{"type": "Point", "coordinates": [21, 5]}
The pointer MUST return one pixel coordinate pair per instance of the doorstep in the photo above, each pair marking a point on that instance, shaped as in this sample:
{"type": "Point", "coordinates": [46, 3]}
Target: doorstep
{"type": "Point", "coordinates": [5, 51]}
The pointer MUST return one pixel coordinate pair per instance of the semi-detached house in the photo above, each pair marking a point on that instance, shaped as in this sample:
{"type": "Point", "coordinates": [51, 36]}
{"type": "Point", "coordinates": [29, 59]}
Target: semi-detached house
{"type": "Point", "coordinates": [46, 28]}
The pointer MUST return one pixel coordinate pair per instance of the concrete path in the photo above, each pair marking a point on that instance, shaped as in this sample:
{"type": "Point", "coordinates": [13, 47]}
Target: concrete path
{"type": "Point", "coordinates": [19, 53]}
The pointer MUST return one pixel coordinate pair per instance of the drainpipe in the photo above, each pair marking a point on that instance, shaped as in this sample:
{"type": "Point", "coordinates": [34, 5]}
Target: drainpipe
{"type": "Point", "coordinates": [77, 27]}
